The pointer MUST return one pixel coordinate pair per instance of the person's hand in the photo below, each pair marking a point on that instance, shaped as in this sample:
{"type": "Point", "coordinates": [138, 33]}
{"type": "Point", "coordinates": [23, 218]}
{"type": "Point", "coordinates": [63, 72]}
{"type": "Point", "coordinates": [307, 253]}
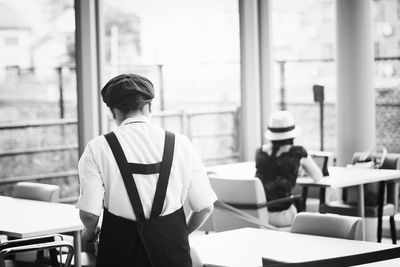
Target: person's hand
{"type": "Point", "coordinates": [90, 240]}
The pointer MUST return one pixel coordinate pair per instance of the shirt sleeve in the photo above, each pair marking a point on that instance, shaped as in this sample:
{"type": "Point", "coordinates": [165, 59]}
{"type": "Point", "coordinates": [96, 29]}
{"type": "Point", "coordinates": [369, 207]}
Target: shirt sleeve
{"type": "Point", "coordinates": [200, 195]}
{"type": "Point", "coordinates": [91, 185]}
{"type": "Point", "coordinates": [300, 152]}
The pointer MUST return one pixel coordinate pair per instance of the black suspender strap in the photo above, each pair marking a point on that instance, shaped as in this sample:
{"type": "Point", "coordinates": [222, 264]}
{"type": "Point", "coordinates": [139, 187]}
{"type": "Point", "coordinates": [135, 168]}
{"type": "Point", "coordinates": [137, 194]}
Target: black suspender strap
{"type": "Point", "coordinates": [129, 182]}
{"type": "Point", "coordinates": [144, 168]}
{"type": "Point", "coordinates": [163, 178]}
{"type": "Point", "coordinates": [127, 169]}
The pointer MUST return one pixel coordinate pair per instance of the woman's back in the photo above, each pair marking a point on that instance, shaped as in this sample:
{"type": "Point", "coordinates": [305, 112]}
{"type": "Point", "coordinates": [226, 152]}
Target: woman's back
{"type": "Point", "coordinates": [278, 166]}
{"type": "Point", "coordinates": [279, 172]}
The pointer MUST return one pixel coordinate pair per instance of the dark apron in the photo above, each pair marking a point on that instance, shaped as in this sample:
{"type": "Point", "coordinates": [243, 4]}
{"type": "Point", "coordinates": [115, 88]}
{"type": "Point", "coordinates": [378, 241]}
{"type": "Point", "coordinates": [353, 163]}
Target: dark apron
{"type": "Point", "coordinates": [158, 241]}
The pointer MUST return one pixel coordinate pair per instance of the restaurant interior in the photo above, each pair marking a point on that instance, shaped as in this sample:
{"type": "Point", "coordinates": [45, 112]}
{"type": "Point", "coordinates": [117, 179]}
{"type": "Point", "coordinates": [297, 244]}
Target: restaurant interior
{"type": "Point", "coordinates": [221, 70]}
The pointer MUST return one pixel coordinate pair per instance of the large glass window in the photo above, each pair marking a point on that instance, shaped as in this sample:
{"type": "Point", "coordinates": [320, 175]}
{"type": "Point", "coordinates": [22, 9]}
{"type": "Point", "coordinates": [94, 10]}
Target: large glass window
{"type": "Point", "coordinates": [387, 73]}
{"type": "Point", "coordinates": [38, 135]}
{"type": "Point", "coordinates": [303, 50]}
{"type": "Point", "coordinates": [303, 46]}
{"type": "Point", "coordinates": [190, 50]}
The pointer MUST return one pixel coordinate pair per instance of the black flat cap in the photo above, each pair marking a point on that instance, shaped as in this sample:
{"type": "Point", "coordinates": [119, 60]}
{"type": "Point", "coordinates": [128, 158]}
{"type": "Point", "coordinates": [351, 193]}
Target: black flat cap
{"type": "Point", "coordinates": [124, 89]}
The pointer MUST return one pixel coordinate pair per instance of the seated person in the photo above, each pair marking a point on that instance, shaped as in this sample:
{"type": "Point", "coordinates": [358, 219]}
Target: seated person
{"type": "Point", "coordinates": [278, 165]}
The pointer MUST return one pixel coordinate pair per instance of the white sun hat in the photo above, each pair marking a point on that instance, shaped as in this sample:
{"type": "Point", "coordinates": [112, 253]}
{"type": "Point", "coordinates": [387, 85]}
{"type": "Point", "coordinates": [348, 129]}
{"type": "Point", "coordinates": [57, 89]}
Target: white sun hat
{"type": "Point", "coordinates": [281, 126]}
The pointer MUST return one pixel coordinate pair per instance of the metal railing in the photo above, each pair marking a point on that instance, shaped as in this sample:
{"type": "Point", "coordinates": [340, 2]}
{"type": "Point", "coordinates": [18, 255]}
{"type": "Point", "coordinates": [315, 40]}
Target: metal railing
{"type": "Point", "coordinates": [185, 120]}
{"type": "Point", "coordinates": [283, 76]}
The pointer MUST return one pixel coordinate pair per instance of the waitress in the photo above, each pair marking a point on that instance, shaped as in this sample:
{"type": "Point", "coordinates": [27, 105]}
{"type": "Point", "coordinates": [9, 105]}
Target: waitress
{"type": "Point", "coordinates": [139, 176]}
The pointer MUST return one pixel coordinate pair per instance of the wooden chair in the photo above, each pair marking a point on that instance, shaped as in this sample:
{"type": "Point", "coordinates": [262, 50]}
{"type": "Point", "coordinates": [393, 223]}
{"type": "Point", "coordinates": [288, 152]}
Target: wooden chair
{"type": "Point", "coordinates": [330, 225]}
{"type": "Point", "coordinates": [392, 161]}
{"type": "Point", "coordinates": [246, 195]}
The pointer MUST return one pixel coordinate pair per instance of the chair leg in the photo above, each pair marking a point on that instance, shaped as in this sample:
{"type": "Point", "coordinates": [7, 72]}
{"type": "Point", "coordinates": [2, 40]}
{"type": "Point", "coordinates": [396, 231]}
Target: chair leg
{"type": "Point", "coordinates": [393, 232]}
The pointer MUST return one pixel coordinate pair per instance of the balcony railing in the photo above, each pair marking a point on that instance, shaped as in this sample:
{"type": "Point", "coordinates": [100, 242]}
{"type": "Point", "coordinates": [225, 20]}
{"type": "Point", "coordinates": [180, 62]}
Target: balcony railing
{"type": "Point", "coordinates": [387, 110]}
{"type": "Point", "coordinates": [282, 79]}
{"type": "Point", "coordinates": [185, 124]}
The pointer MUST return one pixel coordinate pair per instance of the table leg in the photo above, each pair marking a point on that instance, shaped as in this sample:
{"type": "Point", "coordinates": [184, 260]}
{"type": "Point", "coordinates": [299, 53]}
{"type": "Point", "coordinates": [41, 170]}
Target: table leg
{"type": "Point", "coordinates": [361, 211]}
{"type": "Point", "coordinates": [77, 248]}
{"type": "Point", "coordinates": [304, 194]}
{"type": "Point", "coordinates": [380, 209]}
{"type": "Point", "coordinates": [322, 193]}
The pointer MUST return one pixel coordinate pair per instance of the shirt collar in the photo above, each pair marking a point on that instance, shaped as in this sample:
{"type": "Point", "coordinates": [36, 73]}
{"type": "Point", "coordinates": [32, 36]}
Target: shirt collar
{"type": "Point", "coordinates": [139, 118]}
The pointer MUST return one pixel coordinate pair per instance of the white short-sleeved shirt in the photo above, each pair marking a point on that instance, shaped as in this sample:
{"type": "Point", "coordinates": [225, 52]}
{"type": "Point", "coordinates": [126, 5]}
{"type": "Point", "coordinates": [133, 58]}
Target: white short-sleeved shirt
{"type": "Point", "coordinates": [101, 183]}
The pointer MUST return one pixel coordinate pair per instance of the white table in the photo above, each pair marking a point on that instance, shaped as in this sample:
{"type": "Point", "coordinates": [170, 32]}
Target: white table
{"type": "Point", "coordinates": [23, 218]}
{"type": "Point", "coordinates": [247, 247]}
{"type": "Point", "coordinates": [339, 177]}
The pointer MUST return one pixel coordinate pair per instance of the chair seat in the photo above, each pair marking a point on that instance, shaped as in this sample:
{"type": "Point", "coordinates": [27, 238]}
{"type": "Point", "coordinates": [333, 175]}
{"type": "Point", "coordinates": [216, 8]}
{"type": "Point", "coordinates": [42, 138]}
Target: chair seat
{"type": "Point", "coordinates": [339, 207]}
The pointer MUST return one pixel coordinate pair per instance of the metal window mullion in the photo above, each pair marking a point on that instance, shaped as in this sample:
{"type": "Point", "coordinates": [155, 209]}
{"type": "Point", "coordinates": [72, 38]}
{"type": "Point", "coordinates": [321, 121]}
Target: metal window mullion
{"type": "Point", "coordinates": [86, 71]}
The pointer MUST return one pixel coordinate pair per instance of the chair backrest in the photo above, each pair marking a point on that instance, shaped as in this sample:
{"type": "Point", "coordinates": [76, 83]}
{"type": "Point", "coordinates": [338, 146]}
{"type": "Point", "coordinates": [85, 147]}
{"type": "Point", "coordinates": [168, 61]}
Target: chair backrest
{"type": "Point", "coordinates": [391, 162]}
{"type": "Point", "coordinates": [247, 195]}
{"type": "Point", "coordinates": [52, 243]}
{"type": "Point", "coordinates": [37, 191]}
{"type": "Point", "coordinates": [330, 225]}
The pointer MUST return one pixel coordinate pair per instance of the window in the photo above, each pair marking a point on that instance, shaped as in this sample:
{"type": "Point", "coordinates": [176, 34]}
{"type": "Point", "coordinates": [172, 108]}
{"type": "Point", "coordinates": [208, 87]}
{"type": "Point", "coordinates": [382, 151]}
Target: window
{"type": "Point", "coordinates": [376, 49]}
{"type": "Point", "coordinates": [303, 36]}
{"type": "Point", "coordinates": [38, 133]}
{"type": "Point", "coordinates": [189, 49]}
